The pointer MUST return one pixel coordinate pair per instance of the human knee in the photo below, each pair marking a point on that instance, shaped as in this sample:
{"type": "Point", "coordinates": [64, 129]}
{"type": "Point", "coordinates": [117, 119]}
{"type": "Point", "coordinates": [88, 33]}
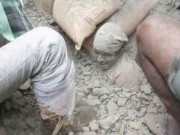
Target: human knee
{"type": "Point", "coordinates": [48, 37]}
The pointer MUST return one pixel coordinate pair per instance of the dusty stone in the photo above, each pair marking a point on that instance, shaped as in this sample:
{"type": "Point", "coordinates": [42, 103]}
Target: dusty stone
{"type": "Point", "coordinates": [87, 73]}
{"type": "Point", "coordinates": [93, 126]}
{"type": "Point", "coordinates": [31, 122]}
{"type": "Point", "coordinates": [126, 90]}
{"type": "Point", "coordinates": [152, 109]}
{"type": "Point", "coordinates": [121, 101]}
{"type": "Point", "coordinates": [135, 125]}
{"type": "Point", "coordinates": [17, 95]}
{"type": "Point", "coordinates": [26, 85]}
{"type": "Point", "coordinates": [22, 125]}
{"type": "Point", "coordinates": [96, 91]}
{"type": "Point", "coordinates": [117, 126]}
{"type": "Point", "coordinates": [157, 101]}
{"type": "Point", "coordinates": [132, 114]}
{"type": "Point", "coordinates": [135, 88]}
{"type": "Point", "coordinates": [105, 90]}
{"type": "Point", "coordinates": [145, 102]}
{"type": "Point", "coordinates": [7, 105]}
{"type": "Point", "coordinates": [131, 133]}
{"type": "Point", "coordinates": [104, 97]}
{"type": "Point", "coordinates": [112, 108]}
{"type": "Point", "coordinates": [107, 122]}
{"type": "Point", "coordinates": [142, 112]}
{"type": "Point", "coordinates": [146, 89]}
{"type": "Point", "coordinates": [89, 133]}
{"type": "Point", "coordinates": [127, 94]}
{"type": "Point", "coordinates": [71, 133]}
{"type": "Point", "coordinates": [122, 128]}
{"type": "Point", "coordinates": [85, 129]}
{"type": "Point", "coordinates": [93, 102]}
{"type": "Point", "coordinates": [145, 97]}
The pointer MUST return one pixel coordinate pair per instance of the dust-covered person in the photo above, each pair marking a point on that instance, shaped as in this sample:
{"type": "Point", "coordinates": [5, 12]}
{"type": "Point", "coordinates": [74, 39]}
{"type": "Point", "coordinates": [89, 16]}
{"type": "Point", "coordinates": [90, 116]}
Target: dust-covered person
{"type": "Point", "coordinates": [159, 50]}
{"type": "Point", "coordinates": [108, 52]}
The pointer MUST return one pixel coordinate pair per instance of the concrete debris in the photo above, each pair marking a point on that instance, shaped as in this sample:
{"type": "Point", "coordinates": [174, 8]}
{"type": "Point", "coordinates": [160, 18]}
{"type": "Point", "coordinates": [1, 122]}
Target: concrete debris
{"type": "Point", "coordinates": [146, 89]}
{"type": "Point", "coordinates": [121, 101]}
{"type": "Point", "coordinates": [112, 108]}
{"type": "Point", "coordinates": [89, 133]}
{"type": "Point", "coordinates": [107, 122]}
{"type": "Point", "coordinates": [119, 110]}
{"type": "Point", "coordinates": [135, 125]}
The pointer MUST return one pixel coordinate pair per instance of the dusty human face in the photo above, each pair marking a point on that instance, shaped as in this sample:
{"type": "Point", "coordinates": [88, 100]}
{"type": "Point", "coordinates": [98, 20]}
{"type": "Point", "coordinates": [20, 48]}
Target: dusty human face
{"type": "Point", "coordinates": [104, 60]}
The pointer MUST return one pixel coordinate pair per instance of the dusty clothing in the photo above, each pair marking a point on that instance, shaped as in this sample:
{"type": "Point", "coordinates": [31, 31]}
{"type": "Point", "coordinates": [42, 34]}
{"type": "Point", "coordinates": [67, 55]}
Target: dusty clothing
{"type": "Point", "coordinates": [13, 19]}
{"type": "Point", "coordinates": [40, 55]}
{"type": "Point", "coordinates": [174, 77]}
{"type": "Point", "coordinates": [109, 38]}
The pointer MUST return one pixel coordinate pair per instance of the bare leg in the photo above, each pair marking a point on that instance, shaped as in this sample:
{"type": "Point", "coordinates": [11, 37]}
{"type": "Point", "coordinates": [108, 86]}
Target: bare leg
{"type": "Point", "coordinates": [158, 42]}
{"type": "Point", "coordinates": [160, 87]}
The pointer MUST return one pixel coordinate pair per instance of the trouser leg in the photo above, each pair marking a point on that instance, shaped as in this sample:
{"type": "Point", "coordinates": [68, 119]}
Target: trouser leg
{"type": "Point", "coordinates": [42, 56]}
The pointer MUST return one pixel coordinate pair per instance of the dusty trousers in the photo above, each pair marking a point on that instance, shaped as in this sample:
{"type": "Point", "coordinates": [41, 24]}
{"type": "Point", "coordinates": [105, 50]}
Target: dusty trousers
{"type": "Point", "coordinates": [40, 55]}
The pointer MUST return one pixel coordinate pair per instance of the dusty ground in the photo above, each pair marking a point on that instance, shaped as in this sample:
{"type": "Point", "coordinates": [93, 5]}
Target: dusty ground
{"type": "Point", "coordinates": [120, 111]}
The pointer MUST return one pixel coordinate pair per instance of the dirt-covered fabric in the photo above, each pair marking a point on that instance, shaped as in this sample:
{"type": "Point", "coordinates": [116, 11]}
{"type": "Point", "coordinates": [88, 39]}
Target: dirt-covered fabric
{"type": "Point", "coordinates": [109, 38]}
{"type": "Point", "coordinates": [79, 18]}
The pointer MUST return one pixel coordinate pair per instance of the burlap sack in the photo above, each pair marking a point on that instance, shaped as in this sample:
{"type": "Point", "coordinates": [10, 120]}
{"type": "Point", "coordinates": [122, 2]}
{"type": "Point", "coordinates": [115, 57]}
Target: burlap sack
{"type": "Point", "coordinates": [79, 18]}
{"type": "Point", "coordinates": [46, 5]}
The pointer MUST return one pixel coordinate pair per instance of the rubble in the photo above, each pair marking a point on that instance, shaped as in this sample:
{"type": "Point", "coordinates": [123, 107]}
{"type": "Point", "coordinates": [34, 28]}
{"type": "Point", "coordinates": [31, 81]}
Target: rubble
{"type": "Point", "coordinates": [119, 110]}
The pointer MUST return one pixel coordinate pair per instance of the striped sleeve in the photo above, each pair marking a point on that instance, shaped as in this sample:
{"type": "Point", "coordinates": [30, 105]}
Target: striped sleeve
{"type": "Point", "coordinates": [13, 20]}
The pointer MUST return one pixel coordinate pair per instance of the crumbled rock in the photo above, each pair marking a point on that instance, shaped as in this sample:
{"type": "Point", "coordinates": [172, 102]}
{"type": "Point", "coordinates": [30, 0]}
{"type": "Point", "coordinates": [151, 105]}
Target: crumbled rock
{"type": "Point", "coordinates": [122, 101]}
{"type": "Point", "coordinates": [89, 133]}
{"type": "Point", "coordinates": [112, 108]}
{"type": "Point", "coordinates": [146, 89]}
{"type": "Point", "coordinates": [93, 102]}
{"type": "Point", "coordinates": [17, 95]}
{"type": "Point", "coordinates": [135, 125]}
{"type": "Point", "coordinates": [142, 112]}
{"type": "Point", "coordinates": [71, 133]}
{"type": "Point", "coordinates": [94, 126]}
{"type": "Point", "coordinates": [131, 133]}
{"type": "Point", "coordinates": [31, 122]}
{"type": "Point", "coordinates": [107, 122]}
{"type": "Point", "coordinates": [85, 129]}
{"type": "Point", "coordinates": [7, 105]}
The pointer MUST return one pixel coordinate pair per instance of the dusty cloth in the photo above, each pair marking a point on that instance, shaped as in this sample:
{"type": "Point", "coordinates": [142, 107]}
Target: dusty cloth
{"type": "Point", "coordinates": [109, 38]}
{"type": "Point", "coordinates": [42, 56]}
{"type": "Point", "coordinates": [174, 77]}
{"type": "Point", "coordinates": [79, 18]}
{"type": "Point", "coordinates": [125, 73]}
{"type": "Point", "coordinates": [46, 5]}
{"type": "Point", "coordinates": [13, 19]}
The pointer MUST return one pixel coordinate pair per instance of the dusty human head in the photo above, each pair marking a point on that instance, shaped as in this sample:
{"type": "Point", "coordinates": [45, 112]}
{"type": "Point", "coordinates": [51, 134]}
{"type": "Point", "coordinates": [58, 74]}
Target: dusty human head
{"type": "Point", "coordinates": [107, 43]}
